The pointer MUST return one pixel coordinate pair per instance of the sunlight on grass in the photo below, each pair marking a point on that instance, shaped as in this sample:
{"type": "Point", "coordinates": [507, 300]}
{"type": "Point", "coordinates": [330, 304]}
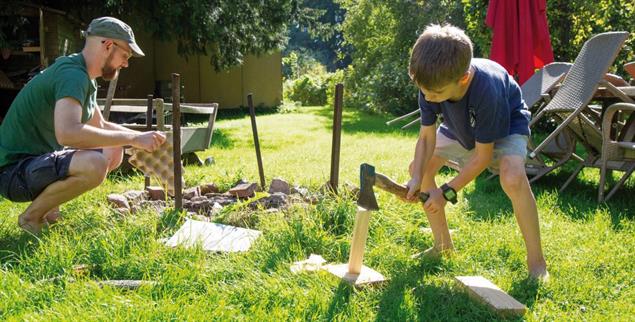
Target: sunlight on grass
{"type": "Point", "coordinates": [589, 247]}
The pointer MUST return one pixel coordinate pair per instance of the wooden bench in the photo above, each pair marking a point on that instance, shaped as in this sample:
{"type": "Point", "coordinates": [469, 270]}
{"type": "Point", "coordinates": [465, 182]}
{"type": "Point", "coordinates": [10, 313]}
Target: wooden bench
{"type": "Point", "coordinates": [193, 138]}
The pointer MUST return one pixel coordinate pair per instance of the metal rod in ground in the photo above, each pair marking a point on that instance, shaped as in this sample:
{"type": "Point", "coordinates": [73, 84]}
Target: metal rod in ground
{"type": "Point", "coordinates": [254, 129]}
{"type": "Point", "coordinates": [418, 120]}
{"type": "Point", "coordinates": [403, 117]}
{"type": "Point", "coordinates": [148, 128]}
{"type": "Point", "coordinates": [337, 136]}
{"type": "Point", "coordinates": [176, 139]}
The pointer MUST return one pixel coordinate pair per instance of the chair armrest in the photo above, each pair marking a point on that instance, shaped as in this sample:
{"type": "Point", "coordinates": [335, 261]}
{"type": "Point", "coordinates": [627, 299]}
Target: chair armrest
{"type": "Point", "coordinates": [607, 121]}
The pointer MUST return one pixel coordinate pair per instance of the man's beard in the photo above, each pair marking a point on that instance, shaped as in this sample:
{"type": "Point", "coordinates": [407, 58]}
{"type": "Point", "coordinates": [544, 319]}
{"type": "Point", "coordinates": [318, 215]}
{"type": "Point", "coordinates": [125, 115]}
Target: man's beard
{"type": "Point", "coordinates": [107, 72]}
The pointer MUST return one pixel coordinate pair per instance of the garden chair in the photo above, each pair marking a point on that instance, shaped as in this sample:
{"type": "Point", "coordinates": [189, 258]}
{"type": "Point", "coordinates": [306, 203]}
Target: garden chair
{"type": "Point", "coordinates": [630, 69]}
{"type": "Point", "coordinates": [569, 104]}
{"type": "Point", "coordinates": [617, 146]}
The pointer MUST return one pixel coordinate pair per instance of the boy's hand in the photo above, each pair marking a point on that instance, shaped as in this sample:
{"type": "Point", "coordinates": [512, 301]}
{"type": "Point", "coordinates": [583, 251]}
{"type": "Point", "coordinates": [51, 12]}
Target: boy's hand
{"type": "Point", "coordinates": [414, 185]}
{"type": "Point", "coordinates": [435, 202]}
{"type": "Point", "coordinates": [149, 141]}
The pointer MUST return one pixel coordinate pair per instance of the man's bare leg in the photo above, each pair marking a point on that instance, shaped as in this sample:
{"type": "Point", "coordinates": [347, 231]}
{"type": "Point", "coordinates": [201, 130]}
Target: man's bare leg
{"type": "Point", "coordinates": [114, 157]}
{"type": "Point", "coordinates": [87, 170]}
{"type": "Point", "coordinates": [438, 223]}
{"type": "Point", "coordinates": [515, 184]}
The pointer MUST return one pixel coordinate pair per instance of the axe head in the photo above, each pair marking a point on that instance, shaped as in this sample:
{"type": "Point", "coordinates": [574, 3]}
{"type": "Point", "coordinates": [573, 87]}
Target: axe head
{"type": "Point", "coordinates": [367, 198]}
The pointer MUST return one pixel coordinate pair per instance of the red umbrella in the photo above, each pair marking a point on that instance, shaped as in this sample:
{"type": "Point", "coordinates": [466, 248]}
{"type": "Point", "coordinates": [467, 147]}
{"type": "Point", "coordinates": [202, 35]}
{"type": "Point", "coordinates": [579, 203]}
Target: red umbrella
{"type": "Point", "coordinates": [521, 41]}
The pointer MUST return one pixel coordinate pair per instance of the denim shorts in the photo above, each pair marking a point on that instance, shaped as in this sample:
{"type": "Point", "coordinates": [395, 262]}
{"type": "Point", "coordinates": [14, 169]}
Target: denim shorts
{"type": "Point", "coordinates": [514, 144]}
{"type": "Point", "coordinates": [26, 179]}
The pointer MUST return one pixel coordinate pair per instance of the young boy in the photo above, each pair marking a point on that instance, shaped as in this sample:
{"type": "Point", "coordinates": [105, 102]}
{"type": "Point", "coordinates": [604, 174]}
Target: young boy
{"type": "Point", "coordinates": [485, 124]}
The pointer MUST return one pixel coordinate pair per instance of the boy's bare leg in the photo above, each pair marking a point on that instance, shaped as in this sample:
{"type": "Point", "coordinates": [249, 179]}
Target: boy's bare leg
{"type": "Point", "coordinates": [437, 220]}
{"type": "Point", "coordinates": [515, 184]}
{"type": "Point", "coordinates": [87, 170]}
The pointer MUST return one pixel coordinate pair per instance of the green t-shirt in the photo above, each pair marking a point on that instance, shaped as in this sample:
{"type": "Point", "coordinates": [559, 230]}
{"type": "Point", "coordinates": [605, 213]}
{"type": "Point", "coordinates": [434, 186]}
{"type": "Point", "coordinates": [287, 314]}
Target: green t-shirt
{"type": "Point", "coordinates": [28, 128]}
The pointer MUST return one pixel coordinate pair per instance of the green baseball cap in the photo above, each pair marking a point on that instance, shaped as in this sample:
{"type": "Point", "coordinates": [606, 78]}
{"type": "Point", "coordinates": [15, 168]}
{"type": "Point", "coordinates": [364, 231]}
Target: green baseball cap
{"type": "Point", "coordinates": [114, 28]}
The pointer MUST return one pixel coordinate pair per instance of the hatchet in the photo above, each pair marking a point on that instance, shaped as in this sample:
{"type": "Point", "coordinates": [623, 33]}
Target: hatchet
{"type": "Point", "coordinates": [369, 178]}
{"type": "Point", "coordinates": [354, 272]}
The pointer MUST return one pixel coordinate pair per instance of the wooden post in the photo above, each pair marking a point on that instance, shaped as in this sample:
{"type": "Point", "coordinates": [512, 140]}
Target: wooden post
{"type": "Point", "coordinates": [254, 129]}
{"type": "Point", "coordinates": [148, 128]}
{"type": "Point", "coordinates": [176, 136]}
{"type": "Point", "coordinates": [337, 135]}
{"type": "Point", "coordinates": [355, 272]}
{"type": "Point", "coordinates": [112, 88]}
{"type": "Point", "coordinates": [358, 243]}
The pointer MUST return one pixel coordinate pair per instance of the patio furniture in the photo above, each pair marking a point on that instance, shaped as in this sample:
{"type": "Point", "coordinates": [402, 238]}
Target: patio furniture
{"type": "Point", "coordinates": [617, 145]}
{"type": "Point", "coordinates": [569, 105]}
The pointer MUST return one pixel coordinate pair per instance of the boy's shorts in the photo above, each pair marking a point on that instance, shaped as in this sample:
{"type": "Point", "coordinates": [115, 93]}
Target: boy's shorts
{"type": "Point", "coordinates": [26, 179]}
{"type": "Point", "coordinates": [514, 144]}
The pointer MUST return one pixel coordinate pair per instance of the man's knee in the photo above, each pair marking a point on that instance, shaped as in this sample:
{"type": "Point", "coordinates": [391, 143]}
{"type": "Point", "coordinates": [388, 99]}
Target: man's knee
{"type": "Point", "coordinates": [89, 165]}
{"type": "Point", "coordinates": [114, 157]}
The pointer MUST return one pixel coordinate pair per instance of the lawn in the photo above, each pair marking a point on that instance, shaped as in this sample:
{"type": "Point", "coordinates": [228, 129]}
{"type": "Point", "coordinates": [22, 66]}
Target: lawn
{"type": "Point", "coordinates": [589, 247]}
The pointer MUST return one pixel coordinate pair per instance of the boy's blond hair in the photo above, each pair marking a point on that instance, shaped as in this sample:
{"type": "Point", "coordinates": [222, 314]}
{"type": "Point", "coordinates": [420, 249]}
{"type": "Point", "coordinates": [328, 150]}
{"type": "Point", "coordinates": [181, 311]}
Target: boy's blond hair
{"type": "Point", "coordinates": [441, 55]}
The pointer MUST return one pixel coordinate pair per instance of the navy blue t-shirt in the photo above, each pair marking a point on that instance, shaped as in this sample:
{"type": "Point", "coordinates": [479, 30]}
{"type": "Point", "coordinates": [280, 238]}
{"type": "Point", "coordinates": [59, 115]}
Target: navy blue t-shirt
{"type": "Point", "coordinates": [491, 109]}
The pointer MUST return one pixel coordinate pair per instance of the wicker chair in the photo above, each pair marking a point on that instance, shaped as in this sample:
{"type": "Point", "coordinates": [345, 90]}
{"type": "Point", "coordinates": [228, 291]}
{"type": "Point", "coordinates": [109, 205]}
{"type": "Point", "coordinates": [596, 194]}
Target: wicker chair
{"type": "Point", "coordinates": [569, 105]}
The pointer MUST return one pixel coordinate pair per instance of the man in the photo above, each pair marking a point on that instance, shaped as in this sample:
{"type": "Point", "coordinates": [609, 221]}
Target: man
{"type": "Point", "coordinates": [54, 142]}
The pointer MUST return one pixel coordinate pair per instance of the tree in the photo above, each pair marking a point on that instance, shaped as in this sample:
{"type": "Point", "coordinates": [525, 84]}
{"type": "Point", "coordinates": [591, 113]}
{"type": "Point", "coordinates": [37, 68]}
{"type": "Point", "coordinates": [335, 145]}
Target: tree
{"type": "Point", "coordinates": [227, 30]}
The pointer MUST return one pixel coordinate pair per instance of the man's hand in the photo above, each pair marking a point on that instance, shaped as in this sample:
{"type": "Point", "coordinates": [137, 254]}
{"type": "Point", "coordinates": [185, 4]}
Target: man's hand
{"type": "Point", "coordinates": [414, 185]}
{"type": "Point", "coordinates": [435, 202]}
{"type": "Point", "coordinates": [149, 141]}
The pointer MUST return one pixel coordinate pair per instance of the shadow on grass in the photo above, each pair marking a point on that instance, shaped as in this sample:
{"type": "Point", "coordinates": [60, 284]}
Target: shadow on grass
{"type": "Point", "coordinates": [432, 302]}
{"type": "Point", "coordinates": [578, 201]}
{"type": "Point", "coordinates": [340, 300]}
{"type": "Point", "coordinates": [222, 140]}
{"type": "Point", "coordinates": [525, 291]}
{"type": "Point", "coordinates": [355, 121]}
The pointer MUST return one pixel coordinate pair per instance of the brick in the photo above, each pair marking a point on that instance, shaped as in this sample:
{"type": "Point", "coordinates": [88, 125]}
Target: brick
{"type": "Point", "coordinates": [243, 190]}
{"type": "Point", "coordinates": [156, 193]}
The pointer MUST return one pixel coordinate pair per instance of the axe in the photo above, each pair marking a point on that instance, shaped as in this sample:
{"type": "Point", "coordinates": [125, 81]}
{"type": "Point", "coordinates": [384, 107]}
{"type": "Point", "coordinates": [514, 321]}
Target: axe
{"type": "Point", "coordinates": [355, 272]}
{"type": "Point", "coordinates": [369, 178]}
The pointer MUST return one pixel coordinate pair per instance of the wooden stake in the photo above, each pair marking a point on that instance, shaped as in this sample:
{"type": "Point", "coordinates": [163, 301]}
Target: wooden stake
{"type": "Point", "coordinates": [337, 136]}
{"type": "Point", "coordinates": [148, 128]}
{"type": "Point", "coordinates": [254, 129]}
{"type": "Point", "coordinates": [112, 88]}
{"type": "Point", "coordinates": [176, 139]}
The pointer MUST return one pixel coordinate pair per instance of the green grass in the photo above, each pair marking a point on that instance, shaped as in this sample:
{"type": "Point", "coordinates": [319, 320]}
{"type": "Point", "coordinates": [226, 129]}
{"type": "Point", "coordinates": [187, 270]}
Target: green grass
{"type": "Point", "coordinates": [589, 247]}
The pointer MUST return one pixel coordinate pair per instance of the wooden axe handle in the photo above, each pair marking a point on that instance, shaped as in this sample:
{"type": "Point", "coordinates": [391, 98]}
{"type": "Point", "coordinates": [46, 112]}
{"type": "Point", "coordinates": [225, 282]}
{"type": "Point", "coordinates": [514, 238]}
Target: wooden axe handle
{"type": "Point", "coordinates": [384, 183]}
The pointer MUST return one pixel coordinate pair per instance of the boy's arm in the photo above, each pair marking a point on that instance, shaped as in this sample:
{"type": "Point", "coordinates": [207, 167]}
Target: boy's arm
{"type": "Point", "coordinates": [423, 152]}
{"type": "Point", "coordinates": [474, 166]}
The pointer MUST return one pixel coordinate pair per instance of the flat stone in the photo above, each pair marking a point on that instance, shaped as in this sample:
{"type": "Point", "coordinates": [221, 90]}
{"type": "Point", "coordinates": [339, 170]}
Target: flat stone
{"type": "Point", "coordinates": [279, 185]}
{"type": "Point", "coordinates": [156, 193]}
{"type": "Point", "coordinates": [275, 200]}
{"type": "Point", "coordinates": [136, 196]}
{"type": "Point", "coordinates": [208, 188]}
{"type": "Point", "coordinates": [191, 193]}
{"type": "Point", "coordinates": [156, 205]}
{"type": "Point", "coordinates": [118, 201]}
{"type": "Point", "coordinates": [244, 190]}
